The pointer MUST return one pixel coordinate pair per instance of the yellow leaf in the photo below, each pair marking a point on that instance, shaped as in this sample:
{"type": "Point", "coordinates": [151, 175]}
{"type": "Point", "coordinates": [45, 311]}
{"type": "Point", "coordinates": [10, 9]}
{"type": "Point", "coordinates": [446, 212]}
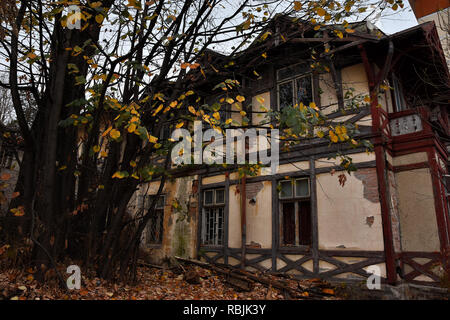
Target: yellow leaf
{"type": "Point", "coordinates": [103, 154]}
{"type": "Point", "coordinates": [264, 55]}
{"type": "Point", "coordinates": [230, 100]}
{"type": "Point", "coordinates": [96, 149]}
{"type": "Point", "coordinates": [173, 104]}
{"type": "Point", "coordinates": [348, 30]}
{"type": "Point", "coordinates": [333, 137]}
{"type": "Point", "coordinates": [152, 139]}
{"type": "Point", "coordinates": [115, 134]}
{"type": "Point", "coordinates": [179, 125]}
{"type": "Point", "coordinates": [320, 11]}
{"type": "Point", "coordinates": [192, 110]}
{"type": "Point", "coordinates": [228, 121]}
{"type": "Point", "coordinates": [313, 105]}
{"type": "Point", "coordinates": [240, 98]}
{"type": "Point", "coordinates": [96, 4]}
{"type": "Point", "coordinates": [158, 110]}
{"type": "Point", "coordinates": [189, 93]}
{"type": "Point", "coordinates": [260, 100]}
{"type": "Point", "coordinates": [133, 163]}
{"type": "Point", "coordinates": [99, 18]}
{"type": "Point", "coordinates": [297, 5]}
{"type": "Point", "coordinates": [118, 175]}
{"type": "Point", "coordinates": [132, 128]}
{"type": "Point", "coordinates": [320, 134]}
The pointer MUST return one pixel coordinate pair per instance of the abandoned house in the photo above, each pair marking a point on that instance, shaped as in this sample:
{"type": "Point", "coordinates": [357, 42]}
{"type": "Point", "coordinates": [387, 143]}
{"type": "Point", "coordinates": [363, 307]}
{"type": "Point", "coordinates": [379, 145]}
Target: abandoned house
{"type": "Point", "coordinates": [392, 213]}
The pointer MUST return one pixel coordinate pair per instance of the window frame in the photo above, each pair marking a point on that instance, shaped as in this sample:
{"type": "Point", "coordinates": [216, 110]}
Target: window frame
{"type": "Point", "coordinates": [293, 80]}
{"type": "Point", "coordinates": [213, 206]}
{"type": "Point", "coordinates": [158, 208]}
{"type": "Point", "coordinates": [294, 189]}
{"type": "Point", "coordinates": [296, 200]}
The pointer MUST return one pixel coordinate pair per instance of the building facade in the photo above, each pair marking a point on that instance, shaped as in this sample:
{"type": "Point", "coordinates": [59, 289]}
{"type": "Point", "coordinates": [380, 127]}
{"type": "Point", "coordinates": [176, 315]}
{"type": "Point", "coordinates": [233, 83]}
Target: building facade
{"type": "Point", "coordinates": [392, 213]}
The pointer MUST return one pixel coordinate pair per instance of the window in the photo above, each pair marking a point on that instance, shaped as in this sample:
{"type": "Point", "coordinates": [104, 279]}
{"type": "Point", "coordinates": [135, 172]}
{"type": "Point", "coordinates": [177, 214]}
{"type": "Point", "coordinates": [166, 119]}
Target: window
{"type": "Point", "coordinates": [294, 88]}
{"type": "Point", "coordinates": [213, 215]}
{"type": "Point", "coordinates": [399, 99]}
{"type": "Point", "coordinates": [155, 224]}
{"type": "Point", "coordinates": [295, 209]}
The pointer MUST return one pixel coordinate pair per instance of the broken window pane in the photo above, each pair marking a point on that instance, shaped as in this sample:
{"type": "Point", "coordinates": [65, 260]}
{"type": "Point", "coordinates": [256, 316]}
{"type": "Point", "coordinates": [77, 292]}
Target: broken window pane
{"type": "Point", "coordinates": [302, 188]}
{"type": "Point", "coordinates": [285, 94]}
{"type": "Point", "coordinates": [304, 90]}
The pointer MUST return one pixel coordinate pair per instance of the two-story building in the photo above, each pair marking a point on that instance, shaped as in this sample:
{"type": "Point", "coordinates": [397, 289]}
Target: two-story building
{"type": "Point", "coordinates": [391, 213]}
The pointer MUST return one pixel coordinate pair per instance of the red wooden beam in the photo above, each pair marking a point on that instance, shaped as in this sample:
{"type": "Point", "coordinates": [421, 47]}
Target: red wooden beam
{"type": "Point", "coordinates": [381, 170]}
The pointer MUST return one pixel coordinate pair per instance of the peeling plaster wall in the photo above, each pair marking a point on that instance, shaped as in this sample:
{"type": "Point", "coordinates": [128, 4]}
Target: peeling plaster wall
{"type": "Point", "coordinates": [346, 218]}
{"type": "Point", "coordinates": [258, 214]}
{"type": "Point", "coordinates": [179, 234]}
{"type": "Point", "coordinates": [417, 212]}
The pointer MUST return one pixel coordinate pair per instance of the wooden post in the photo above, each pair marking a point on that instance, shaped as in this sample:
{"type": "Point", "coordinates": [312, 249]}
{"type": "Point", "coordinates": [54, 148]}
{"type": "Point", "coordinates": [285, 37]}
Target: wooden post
{"type": "Point", "coordinates": [243, 220]}
{"type": "Point", "coordinates": [381, 169]}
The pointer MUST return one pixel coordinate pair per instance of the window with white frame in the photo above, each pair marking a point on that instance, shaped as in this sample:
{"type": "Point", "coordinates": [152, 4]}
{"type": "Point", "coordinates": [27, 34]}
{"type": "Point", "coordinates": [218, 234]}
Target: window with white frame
{"type": "Point", "coordinates": [155, 225]}
{"type": "Point", "coordinates": [294, 85]}
{"type": "Point", "coordinates": [213, 216]}
{"type": "Point", "coordinates": [295, 212]}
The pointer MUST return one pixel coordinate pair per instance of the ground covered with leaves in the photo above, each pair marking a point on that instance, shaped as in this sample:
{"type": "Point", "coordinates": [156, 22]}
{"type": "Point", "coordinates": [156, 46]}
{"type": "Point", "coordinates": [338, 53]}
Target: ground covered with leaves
{"type": "Point", "coordinates": [191, 283]}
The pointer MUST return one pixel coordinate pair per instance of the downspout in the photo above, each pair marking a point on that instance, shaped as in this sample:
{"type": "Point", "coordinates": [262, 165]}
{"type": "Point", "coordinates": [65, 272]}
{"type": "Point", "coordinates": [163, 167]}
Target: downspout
{"type": "Point", "coordinates": [380, 159]}
{"type": "Point", "coordinates": [243, 220]}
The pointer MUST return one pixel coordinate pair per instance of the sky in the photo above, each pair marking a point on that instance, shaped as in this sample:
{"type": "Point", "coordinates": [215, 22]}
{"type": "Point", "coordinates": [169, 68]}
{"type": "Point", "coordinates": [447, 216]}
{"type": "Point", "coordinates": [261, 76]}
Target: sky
{"type": "Point", "coordinates": [395, 21]}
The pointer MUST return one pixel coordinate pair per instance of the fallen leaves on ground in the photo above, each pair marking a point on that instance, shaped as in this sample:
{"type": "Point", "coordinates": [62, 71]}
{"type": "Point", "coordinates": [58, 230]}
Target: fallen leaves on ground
{"type": "Point", "coordinates": [154, 284]}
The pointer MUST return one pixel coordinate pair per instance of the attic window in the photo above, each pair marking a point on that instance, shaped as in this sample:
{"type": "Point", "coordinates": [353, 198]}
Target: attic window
{"type": "Point", "coordinates": [295, 85]}
{"type": "Point", "coordinates": [400, 103]}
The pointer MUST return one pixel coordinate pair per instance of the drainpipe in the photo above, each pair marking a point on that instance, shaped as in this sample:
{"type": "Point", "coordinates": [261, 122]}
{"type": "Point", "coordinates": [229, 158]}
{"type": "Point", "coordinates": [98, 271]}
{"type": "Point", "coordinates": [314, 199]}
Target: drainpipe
{"type": "Point", "coordinates": [243, 220]}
